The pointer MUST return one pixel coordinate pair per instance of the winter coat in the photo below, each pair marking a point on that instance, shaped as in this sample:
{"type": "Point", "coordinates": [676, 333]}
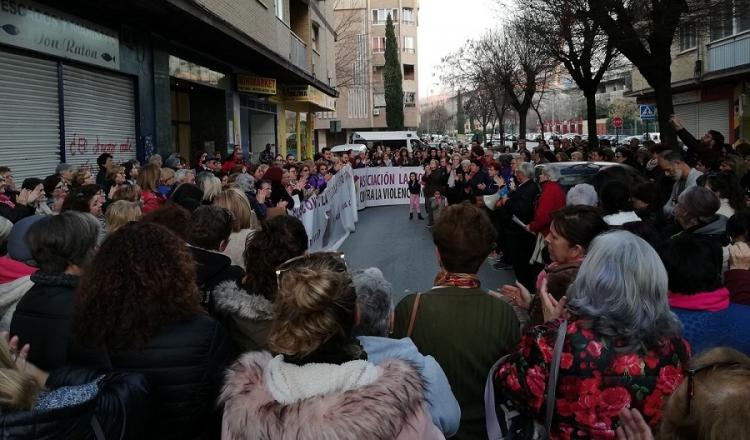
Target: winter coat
{"type": "Point", "coordinates": [466, 331]}
{"type": "Point", "coordinates": [183, 364]}
{"type": "Point", "coordinates": [521, 202]}
{"type": "Point", "coordinates": [442, 405]}
{"type": "Point", "coordinates": [595, 381]}
{"type": "Point", "coordinates": [10, 294]}
{"type": "Point", "coordinates": [738, 283]}
{"type": "Point", "coordinates": [710, 320]}
{"type": "Point", "coordinates": [414, 187]}
{"type": "Point", "coordinates": [385, 402]}
{"type": "Point", "coordinates": [551, 199]}
{"type": "Point", "coordinates": [151, 201]}
{"type": "Point", "coordinates": [43, 318]}
{"type": "Point", "coordinates": [246, 316]}
{"type": "Point", "coordinates": [14, 211]}
{"type": "Point", "coordinates": [212, 269]}
{"type": "Point", "coordinates": [436, 181]}
{"type": "Point", "coordinates": [120, 406]}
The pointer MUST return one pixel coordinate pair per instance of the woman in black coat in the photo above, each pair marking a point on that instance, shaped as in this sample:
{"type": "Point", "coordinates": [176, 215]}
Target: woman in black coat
{"type": "Point", "coordinates": [140, 311]}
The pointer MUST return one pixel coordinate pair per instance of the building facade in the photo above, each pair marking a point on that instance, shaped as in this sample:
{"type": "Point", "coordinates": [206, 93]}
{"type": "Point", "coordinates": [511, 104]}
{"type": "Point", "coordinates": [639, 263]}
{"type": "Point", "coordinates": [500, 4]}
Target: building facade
{"type": "Point", "coordinates": [80, 78]}
{"type": "Point", "coordinates": [360, 58]}
{"type": "Point", "coordinates": [710, 73]}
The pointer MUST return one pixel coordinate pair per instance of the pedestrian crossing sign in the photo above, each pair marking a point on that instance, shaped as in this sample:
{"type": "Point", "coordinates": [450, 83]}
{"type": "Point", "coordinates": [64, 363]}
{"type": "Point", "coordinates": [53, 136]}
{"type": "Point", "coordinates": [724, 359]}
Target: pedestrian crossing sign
{"type": "Point", "coordinates": [648, 112]}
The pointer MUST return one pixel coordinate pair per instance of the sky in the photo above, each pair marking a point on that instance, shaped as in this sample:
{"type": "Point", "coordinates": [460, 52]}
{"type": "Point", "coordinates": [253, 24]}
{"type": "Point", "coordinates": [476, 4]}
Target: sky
{"type": "Point", "coordinates": [444, 26]}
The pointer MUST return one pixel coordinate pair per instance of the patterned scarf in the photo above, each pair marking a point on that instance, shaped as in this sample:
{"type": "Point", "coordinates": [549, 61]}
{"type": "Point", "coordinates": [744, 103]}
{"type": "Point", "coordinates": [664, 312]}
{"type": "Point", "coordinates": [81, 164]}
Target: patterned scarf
{"type": "Point", "coordinates": [460, 280]}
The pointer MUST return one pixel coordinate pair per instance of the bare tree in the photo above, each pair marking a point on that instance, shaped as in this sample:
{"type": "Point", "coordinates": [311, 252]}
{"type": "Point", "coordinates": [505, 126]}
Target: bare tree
{"type": "Point", "coordinates": [352, 62]}
{"type": "Point", "coordinates": [644, 30]}
{"type": "Point", "coordinates": [569, 36]}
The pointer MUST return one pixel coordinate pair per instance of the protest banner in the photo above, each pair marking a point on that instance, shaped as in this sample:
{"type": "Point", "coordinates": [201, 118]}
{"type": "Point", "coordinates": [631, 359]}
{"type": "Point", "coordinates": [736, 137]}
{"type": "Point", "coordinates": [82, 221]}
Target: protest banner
{"type": "Point", "coordinates": [383, 186]}
{"type": "Point", "coordinates": [329, 217]}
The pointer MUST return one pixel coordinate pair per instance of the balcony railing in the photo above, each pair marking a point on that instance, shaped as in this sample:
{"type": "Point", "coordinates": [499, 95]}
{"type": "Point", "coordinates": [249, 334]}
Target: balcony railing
{"type": "Point", "coordinates": [298, 52]}
{"type": "Point", "coordinates": [729, 52]}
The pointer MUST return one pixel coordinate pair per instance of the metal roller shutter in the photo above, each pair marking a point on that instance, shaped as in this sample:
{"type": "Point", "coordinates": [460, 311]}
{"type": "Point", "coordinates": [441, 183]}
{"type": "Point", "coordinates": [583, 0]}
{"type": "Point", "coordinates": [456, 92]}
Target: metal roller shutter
{"type": "Point", "coordinates": [99, 116]}
{"type": "Point", "coordinates": [688, 115]}
{"type": "Point", "coordinates": [714, 115]}
{"type": "Point", "coordinates": [29, 116]}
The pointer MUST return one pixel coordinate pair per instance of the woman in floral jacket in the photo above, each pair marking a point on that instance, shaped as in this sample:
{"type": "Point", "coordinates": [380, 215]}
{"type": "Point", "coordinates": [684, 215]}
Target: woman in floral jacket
{"type": "Point", "coordinates": [622, 348]}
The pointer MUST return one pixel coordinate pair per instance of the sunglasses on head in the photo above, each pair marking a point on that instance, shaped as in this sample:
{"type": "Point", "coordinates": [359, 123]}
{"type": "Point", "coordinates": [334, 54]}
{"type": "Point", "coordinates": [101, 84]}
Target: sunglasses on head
{"type": "Point", "coordinates": [292, 262]}
{"type": "Point", "coordinates": [691, 373]}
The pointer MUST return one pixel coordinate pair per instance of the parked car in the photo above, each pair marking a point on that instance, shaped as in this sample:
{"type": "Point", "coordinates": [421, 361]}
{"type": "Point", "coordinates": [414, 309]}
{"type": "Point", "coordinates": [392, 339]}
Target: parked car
{"type": "Point", "coordinates": [573, 173]}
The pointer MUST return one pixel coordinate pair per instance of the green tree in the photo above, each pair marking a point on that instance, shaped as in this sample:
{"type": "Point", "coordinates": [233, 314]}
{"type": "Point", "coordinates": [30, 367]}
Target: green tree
{"type": "Point", "coordinates": [394, 88]}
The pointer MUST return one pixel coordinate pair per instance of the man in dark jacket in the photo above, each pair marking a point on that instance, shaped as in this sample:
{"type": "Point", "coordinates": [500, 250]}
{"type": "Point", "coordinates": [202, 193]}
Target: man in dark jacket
{"type": "Point", "coordinates": [105, 162]}
{"type": "Point", "coordinates": [207, 235]}
{"type": "Point", "coordinates": [434, 179]}
{"type": "Point", "coordinates": [520, 208]}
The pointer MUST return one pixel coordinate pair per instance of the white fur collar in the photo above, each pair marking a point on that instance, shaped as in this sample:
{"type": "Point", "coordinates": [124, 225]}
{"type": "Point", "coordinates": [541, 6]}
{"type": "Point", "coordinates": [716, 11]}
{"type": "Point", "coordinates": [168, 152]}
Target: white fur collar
{"type": "Point", "coordinates": [289, 383]}
{"type": "Point", "coordinates": [621, 218]}
{"type": "Point", "coordinates": [232, 299]}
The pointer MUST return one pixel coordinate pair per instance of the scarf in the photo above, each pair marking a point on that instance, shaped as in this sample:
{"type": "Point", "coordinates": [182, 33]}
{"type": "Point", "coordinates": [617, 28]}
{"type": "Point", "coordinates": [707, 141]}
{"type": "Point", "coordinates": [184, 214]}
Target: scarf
{"type": "Point", "coordinates": [5, 200]}
{"type": "Point", "coordinates": [715, 301]}
{"type": "Point", "coordinates": [460, 280]}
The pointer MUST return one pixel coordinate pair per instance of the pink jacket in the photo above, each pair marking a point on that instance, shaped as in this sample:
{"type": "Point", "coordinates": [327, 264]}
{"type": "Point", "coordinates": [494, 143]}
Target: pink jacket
{"type": "Point", "coordinates": [393, 407]}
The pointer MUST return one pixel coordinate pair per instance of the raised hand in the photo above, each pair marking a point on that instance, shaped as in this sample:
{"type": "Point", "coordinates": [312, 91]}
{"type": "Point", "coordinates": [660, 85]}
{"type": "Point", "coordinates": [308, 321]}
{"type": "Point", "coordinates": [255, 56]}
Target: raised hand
{"type": "Point", "coordinates": [551, 308]}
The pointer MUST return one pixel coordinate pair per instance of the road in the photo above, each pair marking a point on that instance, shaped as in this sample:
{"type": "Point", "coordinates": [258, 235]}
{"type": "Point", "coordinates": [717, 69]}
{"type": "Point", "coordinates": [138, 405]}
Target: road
{"type": "Point", "coordinates": [403, 250]}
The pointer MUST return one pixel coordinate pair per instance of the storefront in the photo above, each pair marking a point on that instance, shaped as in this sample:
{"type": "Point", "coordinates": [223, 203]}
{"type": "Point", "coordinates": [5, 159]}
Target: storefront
{"type": "Point", "coordinates": [706, 109]}
{"type": "Point", "coordinates": [297, 108]}
{"type": "Point", "coordinates": [258, 114]}
{"type": "Point", "coordinates": [198, 109]}
{"type": "Point", "coordinates": [63, 96]}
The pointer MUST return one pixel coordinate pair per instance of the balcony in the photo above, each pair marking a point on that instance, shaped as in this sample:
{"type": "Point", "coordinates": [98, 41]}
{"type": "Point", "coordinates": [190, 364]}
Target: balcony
{"type": "Point", "coordinates": [298, 52]}
{"type": "Point", "coordinates": [729, 52]}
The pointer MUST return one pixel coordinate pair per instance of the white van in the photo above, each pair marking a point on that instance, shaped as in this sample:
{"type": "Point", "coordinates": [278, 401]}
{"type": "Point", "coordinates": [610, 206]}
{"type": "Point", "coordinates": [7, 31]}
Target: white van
{"type": "Point", "coordinates": [393, 139]}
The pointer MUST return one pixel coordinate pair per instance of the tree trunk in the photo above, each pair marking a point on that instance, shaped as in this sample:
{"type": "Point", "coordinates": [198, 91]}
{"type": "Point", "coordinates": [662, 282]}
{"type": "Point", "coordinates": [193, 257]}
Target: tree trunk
{"type": "Point", "coordinates": [541, 123]}
{"type": "Point", "coordinates": [664, 107]}
{"type": "Point", "coordinates": [522, 122]}
{"type": "Point", "coordinates": [591, 117]}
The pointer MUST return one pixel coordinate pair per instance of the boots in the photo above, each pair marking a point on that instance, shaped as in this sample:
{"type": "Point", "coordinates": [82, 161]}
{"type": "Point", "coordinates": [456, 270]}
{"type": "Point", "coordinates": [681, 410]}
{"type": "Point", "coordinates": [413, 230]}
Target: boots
{"type": "Point", "coordinates": [411, 216]}
{"type": "Point", "coordinates": [419, 216]}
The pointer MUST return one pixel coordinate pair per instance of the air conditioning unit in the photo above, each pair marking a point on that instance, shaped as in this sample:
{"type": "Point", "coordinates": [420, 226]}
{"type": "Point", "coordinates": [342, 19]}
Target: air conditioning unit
{"type": "Point", "coordinates": [376, 112]}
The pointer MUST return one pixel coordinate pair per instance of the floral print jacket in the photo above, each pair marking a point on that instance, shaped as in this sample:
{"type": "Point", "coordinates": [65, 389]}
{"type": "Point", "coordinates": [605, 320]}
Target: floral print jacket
{"type": "Point", "coordinates": [595, 381]}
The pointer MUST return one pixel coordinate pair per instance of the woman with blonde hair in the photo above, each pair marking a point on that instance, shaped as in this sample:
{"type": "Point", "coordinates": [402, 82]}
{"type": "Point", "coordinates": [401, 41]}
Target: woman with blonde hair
{"type": "Point", "coordinates": [148, 180]}
{"type": "Point", "coordinates": [321, 385]}
{"type": "Point", "coordinates": [210, 185]}
{"type": "Point", "coordinates": [121, 213]}
{"type": "Point", "coordinates": [244, 222]}
{"type": "Point", "coordinates": [166, 181]}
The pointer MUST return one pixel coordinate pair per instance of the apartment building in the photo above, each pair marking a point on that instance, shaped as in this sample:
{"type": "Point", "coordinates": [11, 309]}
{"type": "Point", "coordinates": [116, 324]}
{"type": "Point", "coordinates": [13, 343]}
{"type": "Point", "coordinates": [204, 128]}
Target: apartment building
{"type": "Point", "coordinates": [710, 73]}
{"type": "Point", "coordinates": [83, 77]}
{"type": "Point", "coordinates": [360, 59]}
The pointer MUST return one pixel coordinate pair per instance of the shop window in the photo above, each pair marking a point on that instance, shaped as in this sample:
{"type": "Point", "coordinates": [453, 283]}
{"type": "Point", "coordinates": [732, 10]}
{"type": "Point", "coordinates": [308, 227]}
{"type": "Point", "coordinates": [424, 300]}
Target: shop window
{"type": "Point", "coordinates": [688, 36]}
{"type": "Point", "coordinates": [408, 15]}
{"type": "Point", "coordinates": [380, 16]}
{"type": "Point", "coordinates": [378, 44]}
{"type": "Point", "coordinates": [408, 71]}
{"type": "Point", "coordinates": [409, 44]}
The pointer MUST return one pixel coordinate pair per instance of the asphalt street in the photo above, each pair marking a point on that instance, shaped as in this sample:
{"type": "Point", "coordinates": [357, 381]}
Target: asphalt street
{"type": "Point", "coordinates": [385, 238]}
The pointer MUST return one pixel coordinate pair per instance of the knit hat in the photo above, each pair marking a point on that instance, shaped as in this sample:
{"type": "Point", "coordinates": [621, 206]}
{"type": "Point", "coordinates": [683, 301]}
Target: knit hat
{"type": "Point", "coordinates": [18, 249]}
{"type": "Point", "coordinates": [699, 202]}
{"type": "Point", "coordinates": [50, 182]}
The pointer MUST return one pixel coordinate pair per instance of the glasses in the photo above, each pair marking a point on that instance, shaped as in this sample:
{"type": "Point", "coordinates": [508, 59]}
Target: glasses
{"type": "Point", "coordinates": [691, 373]}
{"type": "Point", "coordinates": [290, 263]}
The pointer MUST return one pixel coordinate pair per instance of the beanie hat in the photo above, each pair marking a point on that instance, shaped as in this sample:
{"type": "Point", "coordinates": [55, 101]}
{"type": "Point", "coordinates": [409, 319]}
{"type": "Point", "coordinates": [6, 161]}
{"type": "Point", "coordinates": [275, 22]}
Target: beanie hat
{"type": "Point", "coordinates": [50, 182]}
{"type": "Point", "coordinates": [18, 249]}
{"type": "Point", "coordinates": [699, 202]}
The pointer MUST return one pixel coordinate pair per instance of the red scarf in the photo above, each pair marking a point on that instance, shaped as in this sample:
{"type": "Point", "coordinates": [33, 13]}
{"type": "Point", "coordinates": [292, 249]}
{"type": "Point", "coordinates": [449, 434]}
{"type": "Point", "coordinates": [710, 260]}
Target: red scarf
{"type": "Point", "coordinates": [715, 301]}
{"type": "Point", "coordinates": [460, 280]}
{"type": "Point", "coordinates": [5, 200]}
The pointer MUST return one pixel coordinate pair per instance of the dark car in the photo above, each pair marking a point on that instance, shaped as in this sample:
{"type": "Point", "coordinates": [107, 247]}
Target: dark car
{"type": "Point", "coordinates": [573, 173]}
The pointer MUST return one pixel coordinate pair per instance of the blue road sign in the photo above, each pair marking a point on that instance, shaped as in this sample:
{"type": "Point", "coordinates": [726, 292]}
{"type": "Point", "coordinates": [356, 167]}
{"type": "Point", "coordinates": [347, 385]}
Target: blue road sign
{"type": "Point", "coordinates": [648, 112]}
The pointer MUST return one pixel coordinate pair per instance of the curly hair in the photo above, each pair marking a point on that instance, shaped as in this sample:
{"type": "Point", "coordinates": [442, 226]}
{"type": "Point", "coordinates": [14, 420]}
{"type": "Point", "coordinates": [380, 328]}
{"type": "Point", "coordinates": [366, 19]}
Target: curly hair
{"type": "Point", "coordinates": [316, 301]}
{"type": "Point", "coordinates": [142, 278]}
{"type": "Point", "coordinates": [281, 238]}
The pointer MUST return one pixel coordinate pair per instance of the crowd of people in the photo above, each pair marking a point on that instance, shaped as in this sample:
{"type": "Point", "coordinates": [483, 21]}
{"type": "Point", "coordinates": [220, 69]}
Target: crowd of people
{"type": "Point", "coordinates": [177, 300]}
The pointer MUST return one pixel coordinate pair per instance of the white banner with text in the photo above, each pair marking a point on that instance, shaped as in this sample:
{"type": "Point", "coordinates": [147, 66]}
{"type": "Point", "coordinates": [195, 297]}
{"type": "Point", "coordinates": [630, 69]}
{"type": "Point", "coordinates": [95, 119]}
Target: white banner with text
{"type": "Point", "coordinates": [383, 186]}
{"type": "Point", "coordinates": [329, 217]}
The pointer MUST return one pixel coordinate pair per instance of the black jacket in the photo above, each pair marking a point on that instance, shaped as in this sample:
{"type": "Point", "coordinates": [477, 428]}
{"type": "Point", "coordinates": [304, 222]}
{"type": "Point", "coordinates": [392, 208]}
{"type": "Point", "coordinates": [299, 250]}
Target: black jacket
{"type": "Point", "coordinates": [213, 269]}
{"type": "Point", "coordinates": [184, 365]}
{"type": "Point", "coordinates": [120, 408]}
{"type": "Point", "coordinates": [17, 213]}
{"type": "Point", "coordinates": [522, 201]}
{"type": "Point", "coordinates": [436, 181]}
{"type": "Point", "coordinates": [415, 187]}
{"type": "Point", "coordinates": [43, 318]}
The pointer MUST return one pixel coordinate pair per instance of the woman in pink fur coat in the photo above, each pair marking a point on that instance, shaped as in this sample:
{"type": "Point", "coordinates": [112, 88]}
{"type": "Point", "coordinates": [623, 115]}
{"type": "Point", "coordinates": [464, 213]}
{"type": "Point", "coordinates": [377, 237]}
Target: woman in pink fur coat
{"type": "Point", "coordinates": [319, 384]}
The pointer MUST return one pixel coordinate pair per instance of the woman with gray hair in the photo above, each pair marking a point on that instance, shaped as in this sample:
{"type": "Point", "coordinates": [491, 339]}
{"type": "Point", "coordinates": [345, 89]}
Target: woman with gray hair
{"type": "Point", "coordinates": [622, 346]}
{"type": "Point", "coordinates": [582, 194]}
{"type": "Point", "coordinates": [375, 323]}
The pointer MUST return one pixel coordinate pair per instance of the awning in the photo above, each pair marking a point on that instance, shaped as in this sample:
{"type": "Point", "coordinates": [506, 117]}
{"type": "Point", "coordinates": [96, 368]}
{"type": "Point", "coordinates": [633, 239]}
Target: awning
{"type": "Point", "coordinates": [304, 98]}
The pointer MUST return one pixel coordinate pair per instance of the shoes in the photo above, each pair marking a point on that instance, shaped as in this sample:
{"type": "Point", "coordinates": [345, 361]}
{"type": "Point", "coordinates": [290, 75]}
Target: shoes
{"type": "Point", "coordinates": [500, 265]}
{"type": "Point", "coordinates": [411, 216]}
{"type": "Point", "coordinates": [419, 216]}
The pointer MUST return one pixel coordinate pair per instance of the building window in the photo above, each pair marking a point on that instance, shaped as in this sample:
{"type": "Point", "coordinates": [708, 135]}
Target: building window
{"type": "Point", "coordinates": [280, 9]}
{"type": "Point", "coordinates": [408, 15]}
{"type": "Point", "coordinates": [688, 36]}
{"type": "Point", "coordinates": [377, 73]}
{"type": "Point", "coordinates": [409, 99]}
{"type": "Point", "coordinates": [409, 44]}
{"type": "Point", "coordinates": [409, 71]}
{"type": "Point", "coordinates": [742, 13]}
{"type": "Point", "coordinates": [378, 44]}
{"type": "Point", "coordinates": [315, 36]}
{"type": "Point", "coordinates": [721, 21]}
{"type": "Point", "coordinates": [380, 16]}
{"type": "Point", "coordinates": [379, 100]}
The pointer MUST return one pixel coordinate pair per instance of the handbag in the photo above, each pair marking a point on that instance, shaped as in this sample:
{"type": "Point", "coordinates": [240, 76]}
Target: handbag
{"type": "Point", "coordinates": [413, 317]}
{"type": "Point", "coordinates": [513, 424]}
